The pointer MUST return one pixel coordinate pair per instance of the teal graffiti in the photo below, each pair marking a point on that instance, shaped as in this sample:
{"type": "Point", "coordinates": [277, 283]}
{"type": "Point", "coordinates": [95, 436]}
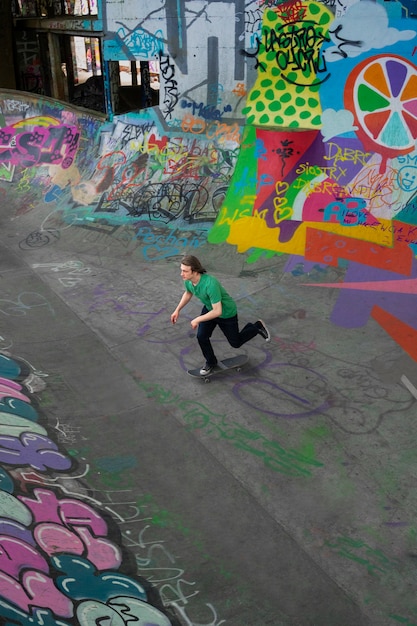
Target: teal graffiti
{"type": "Point", "coordinates": [9, 368]}
{"type": "Point", "coordinates": [81, 580]}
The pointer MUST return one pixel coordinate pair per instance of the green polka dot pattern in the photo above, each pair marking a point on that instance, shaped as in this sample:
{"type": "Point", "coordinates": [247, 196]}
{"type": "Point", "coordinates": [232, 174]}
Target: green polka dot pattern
{"type": "Point", "coordinates": [291, 69]}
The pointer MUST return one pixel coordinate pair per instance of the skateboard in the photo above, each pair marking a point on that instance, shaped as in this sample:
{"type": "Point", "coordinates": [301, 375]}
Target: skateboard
{"type": "Point", "coordinates": [234, 363]}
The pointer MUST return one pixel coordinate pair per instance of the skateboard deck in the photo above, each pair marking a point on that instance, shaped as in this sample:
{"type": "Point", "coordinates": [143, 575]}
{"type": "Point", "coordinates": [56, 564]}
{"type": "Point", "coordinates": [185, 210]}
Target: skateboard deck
{"type": "Point", "coordinates": [235, 362]}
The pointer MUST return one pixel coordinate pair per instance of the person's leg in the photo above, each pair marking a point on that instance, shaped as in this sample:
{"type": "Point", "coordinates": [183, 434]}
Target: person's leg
{"type": "Point", "coordinates": [230, 328]}
{"type": "Point", "coordinates": [236, 338]}
{"type": "Point", "coordinates": [204, 332]}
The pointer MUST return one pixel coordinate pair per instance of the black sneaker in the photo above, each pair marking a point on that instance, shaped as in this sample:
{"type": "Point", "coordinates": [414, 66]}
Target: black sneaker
{"type": "Point", "coordinates": [263, 330]}
{"type": "Point", "coordinates": [206, 369]}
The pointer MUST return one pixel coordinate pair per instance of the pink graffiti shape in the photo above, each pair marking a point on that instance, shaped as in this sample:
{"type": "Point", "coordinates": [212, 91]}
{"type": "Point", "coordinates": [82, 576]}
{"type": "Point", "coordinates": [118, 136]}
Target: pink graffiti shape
{"type": "Point", "coordinates": [46, 507]}
{"type": "Point", "coordinates": [6, 391]}
{"type": "Point", "coordinates": [10, 383]}
{"type": "Point", "coordinates": [15, 555]}
{"type": "Point", "coordinates": [40, 592]}
{"type": "Point", "coordinates": [408, 285]}
{"type": "Point", "coordinates": [101, 552]}
{"type": "Point", "coordinates": [54, 539]}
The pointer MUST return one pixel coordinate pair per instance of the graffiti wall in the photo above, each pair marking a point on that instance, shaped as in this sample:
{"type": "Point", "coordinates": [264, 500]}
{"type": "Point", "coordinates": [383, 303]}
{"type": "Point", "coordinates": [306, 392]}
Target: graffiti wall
{"type": "Point", "coordinates": [328, 97]}
{"type": "Point", "coordinates": [130, 171]}
{"type": "Point", "coordinates": [199, 47]}
{"type": "Point", "coordinates": [327, 166]}
{"type": "Point", "coordinates": [291, 132]}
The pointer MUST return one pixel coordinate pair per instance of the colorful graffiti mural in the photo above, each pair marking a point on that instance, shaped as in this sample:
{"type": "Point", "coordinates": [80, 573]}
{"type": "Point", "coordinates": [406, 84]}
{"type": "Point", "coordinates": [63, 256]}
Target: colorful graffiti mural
{"type": "Point", "coordinates": [326, 166]}
{"type": "Point", "coordinates": [125, 172]}
{"type": "Point", "coordinates": [323, 170]}
{"type": "Point", "coordinates": [59, 562]}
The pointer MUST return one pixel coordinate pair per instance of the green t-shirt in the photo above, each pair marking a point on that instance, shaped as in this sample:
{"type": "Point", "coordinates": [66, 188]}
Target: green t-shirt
{"type": "Point", "coordinates": [209, 290]}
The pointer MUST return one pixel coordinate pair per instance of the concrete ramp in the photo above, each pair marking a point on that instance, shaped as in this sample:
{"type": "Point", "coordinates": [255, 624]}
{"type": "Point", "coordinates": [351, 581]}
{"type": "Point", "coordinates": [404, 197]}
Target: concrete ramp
{"type": "Point", "coordinates": [281, 494]}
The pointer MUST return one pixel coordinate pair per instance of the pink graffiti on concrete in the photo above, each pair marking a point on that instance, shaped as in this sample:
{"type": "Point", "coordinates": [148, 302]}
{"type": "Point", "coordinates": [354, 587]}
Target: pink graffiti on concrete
{"type": "Point", "coordinates": [54, 551]}
{"type": "Point", "coordinates": [52, 145]}
{"type": "Point", "coordinates": [35, 589]}
{"type": "Point", "coordinates": [46, 507]}
{"type": "Point", "coordinates": [54, 539]}
{"type": "Point", "coordinates": [12, 390]}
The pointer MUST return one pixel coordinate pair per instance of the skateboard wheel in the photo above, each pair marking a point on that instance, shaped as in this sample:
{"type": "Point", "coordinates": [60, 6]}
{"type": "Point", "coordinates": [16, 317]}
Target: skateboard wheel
{"type": "Point", "coordinates": [207, 380]}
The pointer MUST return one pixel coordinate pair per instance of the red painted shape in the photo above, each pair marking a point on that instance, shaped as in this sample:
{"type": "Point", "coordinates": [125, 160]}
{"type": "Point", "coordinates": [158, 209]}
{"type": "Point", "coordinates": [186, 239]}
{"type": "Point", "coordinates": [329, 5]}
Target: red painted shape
{"type": "Point", "coordinates": [278, 153]}
{"type": "Point", "coordinates": [403, 334]}
{"type": "Point", "coordinates": [324, 247]}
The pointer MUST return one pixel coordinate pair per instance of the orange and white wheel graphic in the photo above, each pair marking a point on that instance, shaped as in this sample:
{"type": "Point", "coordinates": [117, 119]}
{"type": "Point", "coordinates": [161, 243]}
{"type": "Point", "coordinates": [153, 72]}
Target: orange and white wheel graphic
{"type": "Point", "coordinates": [381, 92]}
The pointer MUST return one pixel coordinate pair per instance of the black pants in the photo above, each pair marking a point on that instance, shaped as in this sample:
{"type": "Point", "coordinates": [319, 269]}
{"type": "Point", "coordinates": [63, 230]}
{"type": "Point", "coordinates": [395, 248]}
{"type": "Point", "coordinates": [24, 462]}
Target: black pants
{"type": "Point", "coordinates": [229, 327]}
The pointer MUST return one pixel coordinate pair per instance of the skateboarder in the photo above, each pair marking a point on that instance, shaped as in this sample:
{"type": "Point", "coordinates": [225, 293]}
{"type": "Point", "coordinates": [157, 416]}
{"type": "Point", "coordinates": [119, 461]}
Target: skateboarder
{"type": "Point", "coordinates": [219, 310]}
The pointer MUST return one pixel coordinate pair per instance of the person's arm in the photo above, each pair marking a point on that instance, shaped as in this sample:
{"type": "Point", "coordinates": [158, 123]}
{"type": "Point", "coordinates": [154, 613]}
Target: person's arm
{"type": "Point", "coordinates": [186, 297]}
{"type": "Point", "coordinates": [216, 311]}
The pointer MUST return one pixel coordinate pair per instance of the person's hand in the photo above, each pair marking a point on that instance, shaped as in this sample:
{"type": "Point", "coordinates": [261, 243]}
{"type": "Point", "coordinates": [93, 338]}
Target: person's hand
{"type": "Point", "coordinates": [194, 323]}
{"type": "Point", "coordinates": [174, 317]}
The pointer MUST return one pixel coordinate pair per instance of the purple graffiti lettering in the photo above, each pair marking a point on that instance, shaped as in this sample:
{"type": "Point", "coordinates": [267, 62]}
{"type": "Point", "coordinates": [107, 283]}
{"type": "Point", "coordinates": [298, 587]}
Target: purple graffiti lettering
{"type": "Point", "coordinates": [32, 449]}
{"type": "Point", "coordinates": [144, 329]}
{"type": "Point", "coordinates": [293, 397]}
{"type": "Point", "coordinates": [14, 529]}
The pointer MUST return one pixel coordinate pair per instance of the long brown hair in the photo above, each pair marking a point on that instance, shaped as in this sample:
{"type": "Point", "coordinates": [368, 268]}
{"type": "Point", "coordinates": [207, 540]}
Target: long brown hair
{"type": "Point", "coordinates": [191, 261]}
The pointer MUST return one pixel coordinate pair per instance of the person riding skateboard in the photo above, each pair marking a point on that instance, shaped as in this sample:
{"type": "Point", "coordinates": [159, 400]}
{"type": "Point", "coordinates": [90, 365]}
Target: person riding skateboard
{"type": "Point", "coordinates": [219, 309]}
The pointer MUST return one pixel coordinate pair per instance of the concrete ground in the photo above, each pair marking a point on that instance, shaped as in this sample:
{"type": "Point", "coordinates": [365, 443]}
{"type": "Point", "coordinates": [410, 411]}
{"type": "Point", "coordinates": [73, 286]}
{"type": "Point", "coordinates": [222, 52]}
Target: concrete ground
{"type": "Point", "coordinates": [280, 495]}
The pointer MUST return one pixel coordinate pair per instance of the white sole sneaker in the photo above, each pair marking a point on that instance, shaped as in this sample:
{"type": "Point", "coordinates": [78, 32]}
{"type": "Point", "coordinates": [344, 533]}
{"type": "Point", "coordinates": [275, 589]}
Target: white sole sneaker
{"type": "Point", "coordinates": [265, 329]}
